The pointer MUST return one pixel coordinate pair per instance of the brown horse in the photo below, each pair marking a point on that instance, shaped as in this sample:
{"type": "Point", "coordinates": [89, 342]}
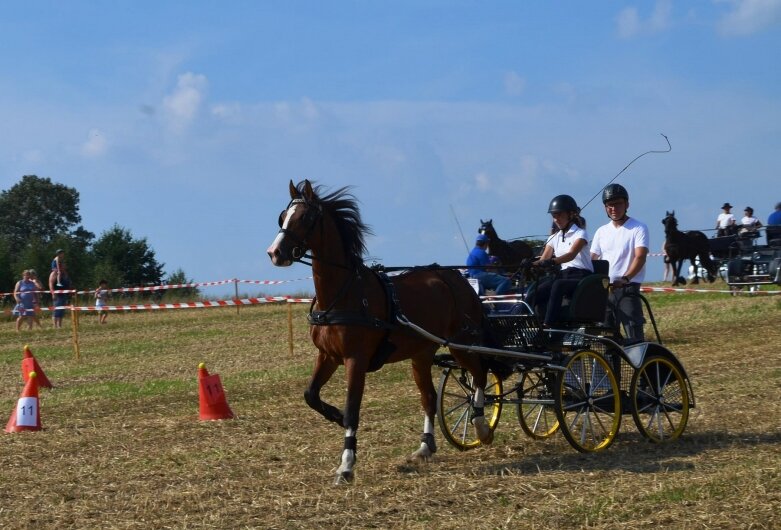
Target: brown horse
{"type": "Point", "coordinates": [353, 316]}
{"type": "Point", "coordinates": [680, 246]}
{"type": "Point", "coordinates": [509, 253]}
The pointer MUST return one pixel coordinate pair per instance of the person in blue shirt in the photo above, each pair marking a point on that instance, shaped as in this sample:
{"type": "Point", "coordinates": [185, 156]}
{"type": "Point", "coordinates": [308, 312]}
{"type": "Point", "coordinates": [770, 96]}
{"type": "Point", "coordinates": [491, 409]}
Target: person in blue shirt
{"type": "Point", "coordinates": [478, 259]}
{"type": "Point", "coordinates": [774, 224]}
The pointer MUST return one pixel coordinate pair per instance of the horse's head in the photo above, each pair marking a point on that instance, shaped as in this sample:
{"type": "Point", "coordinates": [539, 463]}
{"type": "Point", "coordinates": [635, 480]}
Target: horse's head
{"type": "Point", "coordinates": [669, 221]}
{"type": "Point", "coordinates": [320, 224]}
{"type": "Point", "coordinates": [487, 228]}
{"type": "Point", "coordinates": [296, 223]}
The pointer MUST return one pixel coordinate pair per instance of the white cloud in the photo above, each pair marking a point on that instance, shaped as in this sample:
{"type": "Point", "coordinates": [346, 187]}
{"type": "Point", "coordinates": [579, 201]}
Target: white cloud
{"type": "Point", "coordinates": [750, 16]}
{"type": "Point", "coordinates": [182, 106]}
{"type": "Point", "coordinates": [299, 117]}
{"type": "Point", "coordinates": [482, 181]}
{"type": "Point", "coordinates": [660, 18]}
{"type": "Point", "coordinates": [514, 85]}
{"type": "Point", "coordinates": [630, 24]}
{"type": "Point", "coordinates": [95, 145]}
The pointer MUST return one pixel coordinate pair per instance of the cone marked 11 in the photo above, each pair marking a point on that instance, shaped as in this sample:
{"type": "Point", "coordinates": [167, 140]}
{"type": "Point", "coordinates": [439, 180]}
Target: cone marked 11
{"type": "Point", "coordinates": [211, 395]}
{"type": "Point", "coordinates": [27, 414]}
{"type": "Point", "coordinates": [30, 364]}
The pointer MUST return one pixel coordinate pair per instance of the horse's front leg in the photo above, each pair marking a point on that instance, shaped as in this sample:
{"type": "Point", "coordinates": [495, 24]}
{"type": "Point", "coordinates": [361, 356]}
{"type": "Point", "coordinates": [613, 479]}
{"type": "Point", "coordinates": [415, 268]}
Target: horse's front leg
{"type": "Point", "coordinates": [679, 280]}
{"type": "Point", "coordinates": [355, 373]}
{"type": "Point", "coordinates": [324, 369]}
{"type": "Point", "coordinates": [697, 269]}
{"type": "Point", "coordinates": [421, 371]}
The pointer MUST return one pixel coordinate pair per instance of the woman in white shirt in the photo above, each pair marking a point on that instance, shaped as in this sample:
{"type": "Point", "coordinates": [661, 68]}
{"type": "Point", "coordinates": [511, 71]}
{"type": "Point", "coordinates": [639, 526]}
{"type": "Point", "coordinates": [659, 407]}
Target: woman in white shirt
{"type": "Point", "coordinates": [568, 247]}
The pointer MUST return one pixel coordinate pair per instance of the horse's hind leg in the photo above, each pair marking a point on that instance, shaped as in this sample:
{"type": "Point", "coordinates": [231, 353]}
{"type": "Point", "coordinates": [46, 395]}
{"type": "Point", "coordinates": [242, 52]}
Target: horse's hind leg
{"type": "Point", "coordinates": [421, 371]}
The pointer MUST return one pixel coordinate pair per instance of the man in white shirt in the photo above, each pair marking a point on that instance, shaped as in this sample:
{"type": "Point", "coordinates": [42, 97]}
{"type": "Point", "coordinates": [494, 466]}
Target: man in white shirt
{"type": "Point", "coordinates": [725, 222]}
{"type": "Point", "coordinates": [624, 243]}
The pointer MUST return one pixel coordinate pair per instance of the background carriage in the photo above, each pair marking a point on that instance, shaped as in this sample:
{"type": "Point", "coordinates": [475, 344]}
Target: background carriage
{"type": "Point", "coordinates": [745, 262]}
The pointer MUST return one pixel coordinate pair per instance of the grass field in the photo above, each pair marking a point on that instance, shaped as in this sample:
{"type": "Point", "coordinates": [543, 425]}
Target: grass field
{"type": "Point", "coordinates": [122, 446]}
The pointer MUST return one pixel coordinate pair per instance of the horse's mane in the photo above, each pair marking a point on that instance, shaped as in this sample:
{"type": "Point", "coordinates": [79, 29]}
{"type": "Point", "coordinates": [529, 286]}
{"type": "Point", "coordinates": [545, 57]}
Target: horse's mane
{"type": "Point", "coordinates": [342, 206]}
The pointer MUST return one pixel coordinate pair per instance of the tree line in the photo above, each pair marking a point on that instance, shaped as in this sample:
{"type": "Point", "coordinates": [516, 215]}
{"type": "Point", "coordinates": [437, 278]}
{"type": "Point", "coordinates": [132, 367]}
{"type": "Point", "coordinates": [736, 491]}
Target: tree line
{"type": "Point", "coordinates": [39, 217]}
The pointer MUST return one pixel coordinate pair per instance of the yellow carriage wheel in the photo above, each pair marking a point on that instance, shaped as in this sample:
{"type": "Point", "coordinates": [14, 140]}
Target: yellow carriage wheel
{"type": "Point", "coordinates": [660, 400]}
{"type": "Point", "coordinates": [537, 407]}
{"type": "Point", "coordinates": [454, 406]}
{"type": "Point", "coordinates": [588, 402]}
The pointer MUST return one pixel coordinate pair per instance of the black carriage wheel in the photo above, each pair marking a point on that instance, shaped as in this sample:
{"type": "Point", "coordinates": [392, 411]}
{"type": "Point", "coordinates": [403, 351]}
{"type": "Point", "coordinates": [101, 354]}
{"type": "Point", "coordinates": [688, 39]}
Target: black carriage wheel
{"type": "Point", "coordinates": [660, 400]}
{"type": "Point", "coordinates": [536, 407]}
{"type": "Point", "coordinates": [454, 409]}
{"type": "Point", "coordinates": [588, 402]}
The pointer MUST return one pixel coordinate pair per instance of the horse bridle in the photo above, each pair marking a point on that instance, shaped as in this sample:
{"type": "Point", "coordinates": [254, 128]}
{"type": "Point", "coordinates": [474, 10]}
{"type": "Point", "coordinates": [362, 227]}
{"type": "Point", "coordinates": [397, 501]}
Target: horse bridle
{"type": "Point", "coordinates": [312, 215]}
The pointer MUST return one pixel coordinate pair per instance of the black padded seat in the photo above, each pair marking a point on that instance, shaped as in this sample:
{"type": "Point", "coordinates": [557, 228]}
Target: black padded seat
{"type": "Point", "coordinates": [589, 301]}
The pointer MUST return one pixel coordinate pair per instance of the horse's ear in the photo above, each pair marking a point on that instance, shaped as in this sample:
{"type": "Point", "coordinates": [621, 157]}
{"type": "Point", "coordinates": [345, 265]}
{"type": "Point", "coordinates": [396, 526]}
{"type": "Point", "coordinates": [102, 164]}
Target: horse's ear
{"type": "Point", "coordinates": [309, 193]}
{"type": "Point", "coordinates": [672, 213]}
{"type": "Point", "coordinates": [293, 191]}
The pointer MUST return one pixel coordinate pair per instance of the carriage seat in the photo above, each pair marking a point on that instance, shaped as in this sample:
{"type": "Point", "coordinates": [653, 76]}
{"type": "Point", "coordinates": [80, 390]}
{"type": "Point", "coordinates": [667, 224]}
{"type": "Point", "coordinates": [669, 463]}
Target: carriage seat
{"type": "Point", "coordinates": [773, 233]}
{"type": "Point", "coordinates": [589, 301]}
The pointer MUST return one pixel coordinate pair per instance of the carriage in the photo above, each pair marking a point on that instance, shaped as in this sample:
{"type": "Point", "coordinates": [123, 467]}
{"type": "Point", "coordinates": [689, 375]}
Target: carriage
{"type": "Point", "coordinates": [579, 379]}
{"type": "Point", "coordinates": [745, 262]}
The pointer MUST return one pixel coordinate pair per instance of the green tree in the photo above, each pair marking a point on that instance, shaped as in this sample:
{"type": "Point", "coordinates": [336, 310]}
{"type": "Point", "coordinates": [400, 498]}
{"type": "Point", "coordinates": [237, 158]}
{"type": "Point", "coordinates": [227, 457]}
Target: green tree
{"type": "Point", "coordinates": [130, 261]}
{"type": "Point", "coordinates": [178, 277]}
{"type": "Point", "coordinates": [38, 207]}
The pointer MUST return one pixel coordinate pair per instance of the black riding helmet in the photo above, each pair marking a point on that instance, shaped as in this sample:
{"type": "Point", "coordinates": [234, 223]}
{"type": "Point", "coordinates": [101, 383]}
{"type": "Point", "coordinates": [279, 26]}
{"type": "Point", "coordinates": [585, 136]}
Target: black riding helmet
{"type": "Point", "coordinates": [614, 191]}
{"type": "Point", "coordinates": [563, 203]}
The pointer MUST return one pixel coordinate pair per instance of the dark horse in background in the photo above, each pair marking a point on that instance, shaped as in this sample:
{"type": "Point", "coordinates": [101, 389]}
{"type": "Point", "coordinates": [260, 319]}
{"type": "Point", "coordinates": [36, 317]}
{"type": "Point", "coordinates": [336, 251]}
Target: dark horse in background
{"type": "Point", "coordinates": [509, 253]}
{"type": "Point", "coordinates": [680, 246]}
{"type": "Point", "coordinates": [353, 318]}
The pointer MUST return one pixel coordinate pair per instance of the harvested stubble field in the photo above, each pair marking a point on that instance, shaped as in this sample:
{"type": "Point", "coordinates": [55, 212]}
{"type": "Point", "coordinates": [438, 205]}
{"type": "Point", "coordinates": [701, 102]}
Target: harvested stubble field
{"type": "Point", "coordinates": [122, 446]}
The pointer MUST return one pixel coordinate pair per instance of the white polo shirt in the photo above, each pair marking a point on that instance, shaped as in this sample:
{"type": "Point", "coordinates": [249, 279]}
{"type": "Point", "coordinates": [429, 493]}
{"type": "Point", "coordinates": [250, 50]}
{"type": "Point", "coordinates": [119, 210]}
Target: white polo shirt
{"type": "Point", "coordinates": [563, 245]}
{"type": "Point", "coordinates": [617, 245]}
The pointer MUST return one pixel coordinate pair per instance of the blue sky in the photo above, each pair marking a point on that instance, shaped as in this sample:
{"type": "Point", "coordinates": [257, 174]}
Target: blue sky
{"type": "Point", "coordinates": [184, 121]}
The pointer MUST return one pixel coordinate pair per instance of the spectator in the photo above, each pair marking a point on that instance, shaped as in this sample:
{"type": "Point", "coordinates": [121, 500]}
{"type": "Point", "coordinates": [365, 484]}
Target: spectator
{"type": "Point", "coordinates": [101, 300]}
{"type": "Point", "coordinates": [58, 265]}
{"type": "Point", "coordinates": [37, 301]}
{"type": "Point", "coordinates": [570, 251]}
{"type": "Point", "coordinates": [668, 267]}
{"type": "Point", "coordinates": [476, 263]}
{"type": "Point", "coordinates": [58, 285]}
{"type": "Point", "coordinates": [624, 243]}
{"type": "Point", "coordinates": [725, 222]}
{"type": "Point", "coordinates": [24, 294]}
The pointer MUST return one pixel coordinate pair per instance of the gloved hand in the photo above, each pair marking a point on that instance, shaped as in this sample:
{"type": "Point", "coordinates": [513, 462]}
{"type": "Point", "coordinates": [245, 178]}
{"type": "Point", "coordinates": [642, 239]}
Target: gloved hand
{"type": "Point", "coordinates": [545, 263]}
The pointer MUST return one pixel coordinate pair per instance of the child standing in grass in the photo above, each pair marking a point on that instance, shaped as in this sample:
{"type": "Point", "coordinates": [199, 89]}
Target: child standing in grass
{"type": "Point", "coordinates": [101, 300]}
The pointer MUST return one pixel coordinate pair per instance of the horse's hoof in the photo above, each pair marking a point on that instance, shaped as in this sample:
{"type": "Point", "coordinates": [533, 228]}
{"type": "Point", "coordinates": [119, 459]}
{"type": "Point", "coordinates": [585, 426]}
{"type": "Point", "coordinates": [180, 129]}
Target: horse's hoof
{"type": "Point", "coordinates": [423, 454]}
{"type": "Point", "coordinates": [345, 477]}
{"type": "Point", "coordinates": [484, 432]}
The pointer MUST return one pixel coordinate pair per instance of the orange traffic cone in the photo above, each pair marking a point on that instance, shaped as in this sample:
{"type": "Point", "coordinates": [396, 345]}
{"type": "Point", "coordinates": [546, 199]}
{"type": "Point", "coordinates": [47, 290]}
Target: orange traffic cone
{"type": "Point", "coordinates": [30, 364]}
{"type": "Point", "coordinates": [211, 395]}
{"type": "Point", "coordinates": [27, 414]}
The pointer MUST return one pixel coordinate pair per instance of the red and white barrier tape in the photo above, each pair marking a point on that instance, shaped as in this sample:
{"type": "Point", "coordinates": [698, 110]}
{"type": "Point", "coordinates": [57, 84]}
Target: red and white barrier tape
{"type": "Point", "coordinates": [180, 305]}
{"type": "Point", "coordinates": [169, 286]}
{"type": "Point", "coordinates": [687, 290]}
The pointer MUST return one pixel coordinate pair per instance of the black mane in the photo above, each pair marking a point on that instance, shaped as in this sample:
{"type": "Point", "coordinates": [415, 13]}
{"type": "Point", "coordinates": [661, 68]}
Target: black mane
{"type": "Point", "coordinates": [342, 206]}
